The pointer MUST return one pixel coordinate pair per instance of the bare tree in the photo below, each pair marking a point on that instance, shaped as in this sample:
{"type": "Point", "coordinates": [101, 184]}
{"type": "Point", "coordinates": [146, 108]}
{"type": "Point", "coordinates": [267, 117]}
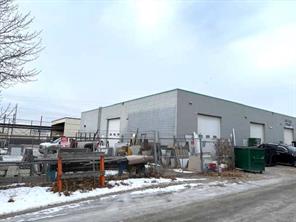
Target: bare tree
{"type": "Point", "coordinates": [18, 45]}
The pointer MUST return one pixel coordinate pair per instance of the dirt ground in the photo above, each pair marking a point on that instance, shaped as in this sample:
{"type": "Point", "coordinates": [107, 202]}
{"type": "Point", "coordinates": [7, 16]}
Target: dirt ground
{"type": "Point", "coordinates": [234, 175]}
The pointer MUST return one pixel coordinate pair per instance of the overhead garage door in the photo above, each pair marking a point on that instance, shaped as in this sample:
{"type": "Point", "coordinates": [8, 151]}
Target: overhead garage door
{"type": "Point", "coordinates": [113, 131]}
{"type": "Point", "coordinates": [257, 131]}
{"type": "Point", "coordinates": [208, 126]}
{"type": "Point", "coordinates": [288, 136]}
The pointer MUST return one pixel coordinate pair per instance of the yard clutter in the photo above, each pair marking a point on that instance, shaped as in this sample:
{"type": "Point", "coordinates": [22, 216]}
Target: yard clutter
{"type": "Point", "coordinates": [65, 164]}
{"type": "Point", "coordinates": [199, 156]}
{"type": "Point", "coordinates": [14, 157]}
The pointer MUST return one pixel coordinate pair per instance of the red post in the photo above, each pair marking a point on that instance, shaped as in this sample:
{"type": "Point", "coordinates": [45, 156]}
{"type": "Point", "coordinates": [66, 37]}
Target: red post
{"type": "Point", "coordinates": [102, 172]}
{"type": "Point", "coordinates": [59, 174]}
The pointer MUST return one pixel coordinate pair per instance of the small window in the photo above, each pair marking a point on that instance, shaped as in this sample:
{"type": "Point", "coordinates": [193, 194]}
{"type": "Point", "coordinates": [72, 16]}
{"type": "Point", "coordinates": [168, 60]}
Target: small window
{"type": "Point", "coordinates": [208, 136]}
{"type": "Point", "coordinates": [118, 134]}
{"type": "Point", "coordinates": [214, 137]}
{"type": "Point", "coordinates": [114, 134]}
{"type": "Point", "coordinates": [110, 134]}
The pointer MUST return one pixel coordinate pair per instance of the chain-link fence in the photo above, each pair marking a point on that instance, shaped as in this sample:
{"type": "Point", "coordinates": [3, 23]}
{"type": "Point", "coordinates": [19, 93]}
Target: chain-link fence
{"type": "Point", "coordinates": [189, 152]}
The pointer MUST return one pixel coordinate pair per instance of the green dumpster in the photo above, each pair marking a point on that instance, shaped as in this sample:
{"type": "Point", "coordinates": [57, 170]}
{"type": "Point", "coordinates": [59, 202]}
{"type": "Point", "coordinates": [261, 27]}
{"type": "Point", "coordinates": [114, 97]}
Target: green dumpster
{"type": "Point", "coordinates": [251, 159]}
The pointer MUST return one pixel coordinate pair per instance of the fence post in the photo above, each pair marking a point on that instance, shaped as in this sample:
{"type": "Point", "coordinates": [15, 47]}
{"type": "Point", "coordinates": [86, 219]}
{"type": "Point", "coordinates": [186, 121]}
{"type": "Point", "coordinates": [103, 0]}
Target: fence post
{"type": "Point", "coordinates": [155, 148]}
{"type": "Point", "coordinates": [59, 174]}
{"type": "Point", "coordinates": [102, 172]}
{"type": "Point", "coordinates": [201, 153]}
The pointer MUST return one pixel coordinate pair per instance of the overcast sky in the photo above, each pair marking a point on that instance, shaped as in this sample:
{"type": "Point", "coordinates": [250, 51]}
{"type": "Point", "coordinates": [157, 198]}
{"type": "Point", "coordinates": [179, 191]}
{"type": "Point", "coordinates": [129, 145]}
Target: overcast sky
{"type": "Point", "coordinates": [102, 52]}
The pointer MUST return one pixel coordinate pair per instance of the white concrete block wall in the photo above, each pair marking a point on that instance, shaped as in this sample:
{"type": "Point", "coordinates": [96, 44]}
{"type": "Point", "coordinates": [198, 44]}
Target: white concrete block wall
{"type": "Point", "coordinates": [89, 121]}
{"type": "Point", "coordinates": [156, 112]}
{"type": "Point", "coordinates": [72, 126]}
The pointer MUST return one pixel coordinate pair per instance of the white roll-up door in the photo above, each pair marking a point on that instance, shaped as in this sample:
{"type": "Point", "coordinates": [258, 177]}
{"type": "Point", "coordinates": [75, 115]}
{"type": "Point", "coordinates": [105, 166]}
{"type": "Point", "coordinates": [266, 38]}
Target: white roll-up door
{"type": "Point", "coordinates": [257, 131]}
{"type": "Point", "coordinates": [113, 134]}
{"type": "Point", "coordinates": [210, 129]}
{"type": "Point", "coordinates": [288, 136]}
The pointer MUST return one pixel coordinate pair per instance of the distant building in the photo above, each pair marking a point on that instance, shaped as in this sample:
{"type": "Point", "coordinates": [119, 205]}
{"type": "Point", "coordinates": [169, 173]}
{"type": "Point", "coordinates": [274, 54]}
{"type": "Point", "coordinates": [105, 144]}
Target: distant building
{"type": "Point", "coordinates": [179, 112]}
{"type": "Point", "coordinates": [66, 126]}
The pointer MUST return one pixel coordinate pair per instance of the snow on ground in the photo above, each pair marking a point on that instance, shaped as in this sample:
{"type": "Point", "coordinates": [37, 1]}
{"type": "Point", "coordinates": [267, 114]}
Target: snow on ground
{"type": "Point", "coordinates": [201, 191]}
{"type": "Point", "coordinates": [182, 171]}
{"type": "Point", "coordinates": [188, 179]}
{"type": "Point", "coordinates": [201, 187]}
{"type": "Point", "coordinates": [13, 185]}
{"type": "Point", "coordinates": [111, 172]}
{"type": "Point", "coordinates": [26, 198]}
{"type": "Point", "coordinates": [169, 189]}
{"type": "Point", "coordinates": [32, 197]}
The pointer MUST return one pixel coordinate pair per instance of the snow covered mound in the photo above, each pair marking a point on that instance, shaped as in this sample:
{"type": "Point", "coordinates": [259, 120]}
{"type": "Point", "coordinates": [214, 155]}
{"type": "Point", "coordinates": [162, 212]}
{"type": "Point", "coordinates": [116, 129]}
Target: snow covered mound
{"type": "Point", "coordinates": [18, 199]}
{"type": "Point", "coordinates": [25, 198]}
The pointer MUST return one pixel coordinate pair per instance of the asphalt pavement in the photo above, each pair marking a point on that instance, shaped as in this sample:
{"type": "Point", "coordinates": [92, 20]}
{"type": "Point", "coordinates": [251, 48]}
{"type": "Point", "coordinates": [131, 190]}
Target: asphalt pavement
{"type": "Point", "coordinates": [272, 203]}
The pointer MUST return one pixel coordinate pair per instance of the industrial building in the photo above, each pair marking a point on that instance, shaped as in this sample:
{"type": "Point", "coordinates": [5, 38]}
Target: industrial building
{"type": "Point", "coordinates": [179, 112]}
{"type": "Point", "coordinates": [67, 126]}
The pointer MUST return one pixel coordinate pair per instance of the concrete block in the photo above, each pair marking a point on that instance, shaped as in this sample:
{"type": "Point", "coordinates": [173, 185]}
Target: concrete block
{"type": "Point", "coordinates": [2, 173]}
{"type": "Point", "coordinates": [12, 171]}
{"type": "Point", "coordinates": [194, 163]}
{"type": "Point", "coordinates": [24, 172]}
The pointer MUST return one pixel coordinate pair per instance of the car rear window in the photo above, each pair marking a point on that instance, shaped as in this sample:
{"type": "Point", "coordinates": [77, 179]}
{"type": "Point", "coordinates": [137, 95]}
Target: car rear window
{"type": "Point", "coordinates": [292, 148]}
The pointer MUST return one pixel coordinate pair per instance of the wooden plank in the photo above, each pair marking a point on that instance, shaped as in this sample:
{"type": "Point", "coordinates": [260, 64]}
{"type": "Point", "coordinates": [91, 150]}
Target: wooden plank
{"type": "Point", "coordinates": [52, 160]}
{"type": "Point", "coordinates": [81, 174]}
{"type": "Point", "coordinates": [80, 155]}
{"type": "Point", "coordinates": [74, 150]}
{"type": "Point", "coordinates": [29, 179]}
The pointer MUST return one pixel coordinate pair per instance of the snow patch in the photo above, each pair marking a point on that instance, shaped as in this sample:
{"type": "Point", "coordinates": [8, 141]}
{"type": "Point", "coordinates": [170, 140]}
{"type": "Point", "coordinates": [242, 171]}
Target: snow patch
{"type": "Point", "coordinates": [190, 179]}
{"type": "Point", "coordinates": [182, 171]}
{"type": "Point", "coordinates": [169, 189]}
{"type": "Point", "coordinates": [26, 198]}
{"type": "Point", "coordinates": [111, 172]}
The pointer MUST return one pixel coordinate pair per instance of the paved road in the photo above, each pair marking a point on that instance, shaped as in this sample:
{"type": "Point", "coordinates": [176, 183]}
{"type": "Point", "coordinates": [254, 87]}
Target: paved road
{"type": "Point", "coordinates": [268, 203]}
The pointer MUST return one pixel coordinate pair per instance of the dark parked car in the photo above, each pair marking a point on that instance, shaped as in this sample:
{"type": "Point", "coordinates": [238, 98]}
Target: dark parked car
{"type": "Point", "coordinates": [279, 153]}
{"type": "Point", "coordinates": [286, 154]}
{"type": "Point", "coordinates": [270, 153]}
